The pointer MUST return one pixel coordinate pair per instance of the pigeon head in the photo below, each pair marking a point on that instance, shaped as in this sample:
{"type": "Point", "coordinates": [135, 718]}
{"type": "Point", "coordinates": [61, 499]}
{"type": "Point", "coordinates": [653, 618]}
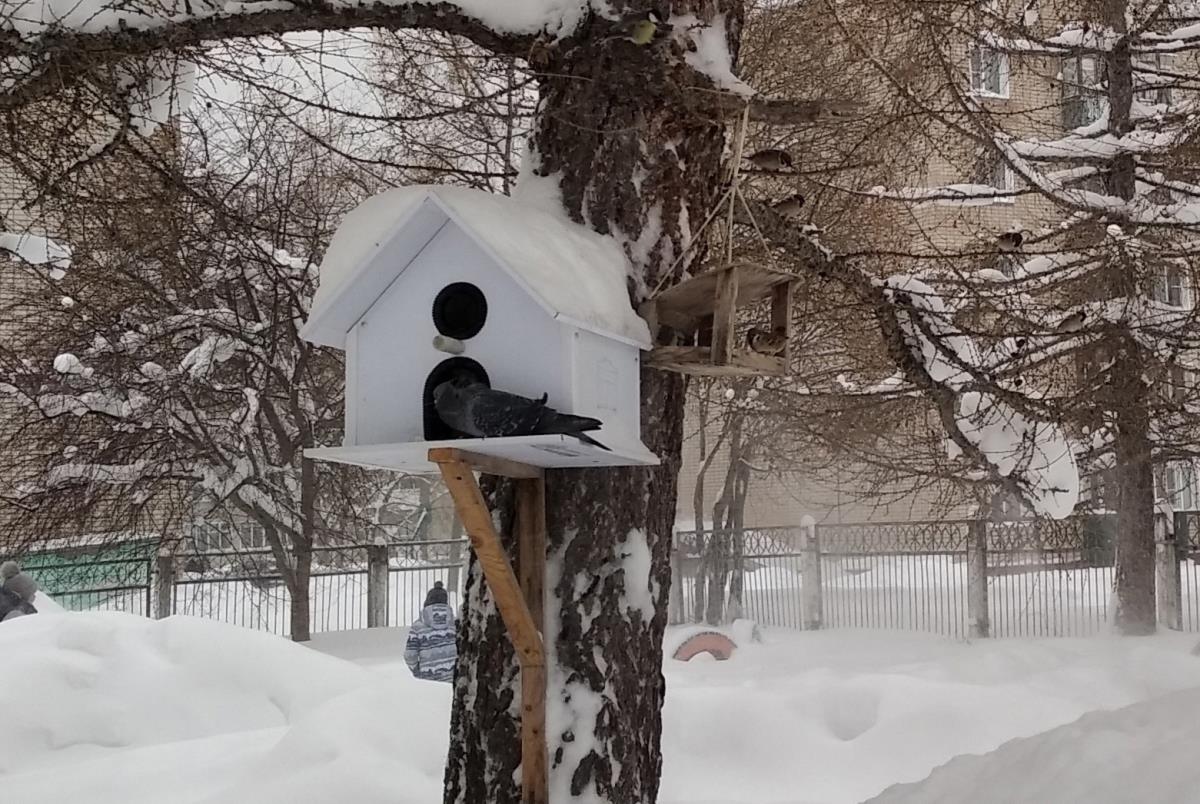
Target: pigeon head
{"type": "Point", "coordinates": [453, 388]}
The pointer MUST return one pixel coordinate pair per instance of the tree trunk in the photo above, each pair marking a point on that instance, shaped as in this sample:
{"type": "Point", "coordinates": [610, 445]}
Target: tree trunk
{"type": "Point", "coordinates": [1134, 576]}
{"type": "Point", "coordinates": [721, 549]}
{"type": "Point", "coordinates": [700, 577]}
{"type": "Point", "coordinates": [633, 163]}
{"type": "Point", "coordinates": [302, 555]}
{"type": "Point", "coordinates": [737, 532]}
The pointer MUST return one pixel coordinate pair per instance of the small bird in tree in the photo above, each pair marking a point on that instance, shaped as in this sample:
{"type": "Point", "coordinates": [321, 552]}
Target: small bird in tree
{"type": "Point", "coordinates": [767, 343]}
{"type": "Point", "coordinates": [642, 28]}
{"type": "Point", "coordinates": [789, 206]}
{"type": "Point", "coordinates": [773, 159]}
{"type": "Point", "coordinates": [1072, 323]}
{"type": "Point", "coordinates": [1010, 242]}
{"type": "Point", "coordinates": [473, 409]}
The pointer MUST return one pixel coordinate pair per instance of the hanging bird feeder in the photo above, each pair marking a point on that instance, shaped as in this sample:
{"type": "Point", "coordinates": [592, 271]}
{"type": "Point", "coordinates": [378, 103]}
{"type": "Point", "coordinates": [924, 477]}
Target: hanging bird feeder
{"type": "Point", "coordinates": [706, 306]}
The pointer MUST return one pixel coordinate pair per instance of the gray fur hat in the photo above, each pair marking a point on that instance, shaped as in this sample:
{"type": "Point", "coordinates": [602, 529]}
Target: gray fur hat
{"type": "Point", "coordinates": [8, 569]}
{"type": "Point", "coordinates": [22, 584]}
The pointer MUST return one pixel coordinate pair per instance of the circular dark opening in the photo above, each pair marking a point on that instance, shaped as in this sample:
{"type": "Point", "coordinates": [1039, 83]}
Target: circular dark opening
{"type": "Point", "coordinates": [460, 310]}
{"type": "Point", "coordinates": [435, 428]}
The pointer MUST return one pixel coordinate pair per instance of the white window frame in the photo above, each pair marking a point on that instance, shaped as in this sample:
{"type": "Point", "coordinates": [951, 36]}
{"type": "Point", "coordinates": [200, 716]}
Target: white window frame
{"type": "Point", "coordinates": [1008, 182]}
{"type": "Point", "coordinates": [1176, 485]}
{"type": "Point", "coordinates": [975, 71]}
{"type": "Point", "coordinates": [1171, 280]}
{"type": "Point", "coordinates": [1079, 87]}
{"type": "Point", "coordinates": [1155, 95]}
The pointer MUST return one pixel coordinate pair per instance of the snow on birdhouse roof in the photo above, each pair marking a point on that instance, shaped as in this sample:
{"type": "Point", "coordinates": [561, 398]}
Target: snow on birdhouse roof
{"type": "Point", "coordinates": [579, 276]}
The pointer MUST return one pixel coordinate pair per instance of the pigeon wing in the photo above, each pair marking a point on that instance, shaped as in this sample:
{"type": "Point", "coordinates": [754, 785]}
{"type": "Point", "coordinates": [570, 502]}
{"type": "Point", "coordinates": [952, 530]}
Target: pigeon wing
{"type": "Point", "coordinates": [495, 414]}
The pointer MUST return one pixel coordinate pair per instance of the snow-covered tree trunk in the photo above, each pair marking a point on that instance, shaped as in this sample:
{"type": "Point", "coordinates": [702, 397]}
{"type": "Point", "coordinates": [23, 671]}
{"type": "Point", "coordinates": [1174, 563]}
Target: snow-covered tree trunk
{"type": "Point", "coordinates": [634, 160]}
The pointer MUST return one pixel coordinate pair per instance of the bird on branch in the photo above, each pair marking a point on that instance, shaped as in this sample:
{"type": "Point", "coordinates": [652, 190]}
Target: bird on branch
{"type": "Point", "coordinates": [772, 159]}
{"type": "Point", "coordinates": [770, 343]}
{"type": "Point", "coordinates": [1010, 242]}
{"type": "Point", "coordinates": [642, 28]}
{"type": "Point", "coordinates": [789, 207]}
{"type": "Point", "coordinates": [473, 409]}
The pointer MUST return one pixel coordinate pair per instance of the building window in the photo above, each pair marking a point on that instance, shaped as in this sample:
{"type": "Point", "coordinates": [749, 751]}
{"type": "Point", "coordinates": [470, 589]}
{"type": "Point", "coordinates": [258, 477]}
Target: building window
{"type": "Point", "coordinates": [1174, 484]}
{"type": "Point", "coordinates": [1152, 86]}
{"type": "Point", "coordinates": [1169, 287]}
{"type": "Point", "coordinates": [1084, 97]}
{"type": "Point", "coordinates": [992, 171]}
{"type": "Point", "coordinates": [989, 72]}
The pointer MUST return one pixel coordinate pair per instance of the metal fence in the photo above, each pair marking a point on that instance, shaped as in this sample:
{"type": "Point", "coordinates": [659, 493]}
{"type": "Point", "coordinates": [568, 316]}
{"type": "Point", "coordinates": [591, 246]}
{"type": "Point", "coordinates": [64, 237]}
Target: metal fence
{"type": "Point", "coordinates": [1038, 577]}
{"type": "Point", "coordinates": [244, 588]}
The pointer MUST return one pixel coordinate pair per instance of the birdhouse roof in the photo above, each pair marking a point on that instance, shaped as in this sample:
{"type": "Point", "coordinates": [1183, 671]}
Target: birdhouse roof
{"type": "Point", "coordinates": [577, 275]}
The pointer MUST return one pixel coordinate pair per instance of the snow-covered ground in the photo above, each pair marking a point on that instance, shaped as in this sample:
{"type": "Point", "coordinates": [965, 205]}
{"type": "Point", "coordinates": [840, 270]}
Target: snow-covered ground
{"type": "Point", "coordinates": [109, 708]}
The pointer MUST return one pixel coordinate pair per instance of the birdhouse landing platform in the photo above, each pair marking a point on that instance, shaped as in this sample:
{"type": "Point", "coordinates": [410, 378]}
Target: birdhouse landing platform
{"type": "Point", "coordinates": [545, 451]}
{"type": "Point", "coordinates": [705, 307]}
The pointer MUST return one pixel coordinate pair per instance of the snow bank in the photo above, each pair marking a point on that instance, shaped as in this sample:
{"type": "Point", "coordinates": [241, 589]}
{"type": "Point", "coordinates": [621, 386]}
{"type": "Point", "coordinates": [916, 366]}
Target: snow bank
{"type": "Point", "coordinates": [77, 684]}
{"type": "Point", "coordinates": [836, 717]}
{"type": "Point", "coordinates": [141, 712]}
{"type": "Point", "coordinates": [115, 709]}
{"type": "Point", "coordinates": [1133, 754]}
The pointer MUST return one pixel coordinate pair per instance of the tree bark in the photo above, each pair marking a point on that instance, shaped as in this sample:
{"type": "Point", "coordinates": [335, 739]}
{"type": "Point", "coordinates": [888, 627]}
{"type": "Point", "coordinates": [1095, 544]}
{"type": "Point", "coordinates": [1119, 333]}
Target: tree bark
{"type": "Point", "coordinates": [632, 160]}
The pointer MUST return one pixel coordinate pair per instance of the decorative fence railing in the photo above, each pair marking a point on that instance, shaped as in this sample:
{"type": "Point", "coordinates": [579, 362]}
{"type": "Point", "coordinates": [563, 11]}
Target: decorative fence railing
{"type": "Point", "coordinates": [354, 586]}
{"type": "Point", "coordinates": [953, 577]}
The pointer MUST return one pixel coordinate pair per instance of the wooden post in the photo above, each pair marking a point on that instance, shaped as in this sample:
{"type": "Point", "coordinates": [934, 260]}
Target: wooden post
{"type": "Point", "coordinates": [724, 315]}
{"type": "Point", "coordinates": [1167, 581]}
{"type": "Point", "coordinates": [531, 563]}
{"type": "Point", "coordinates": [810, 575]}
{"type": "Point", "coordinates": [781, 315]}
{"type": "Point", "coordinates": [377, 586]}
{"type": "Point", "coordinates": [979, 625]}
{"type": "Point", "coordinates": [517, 601]}
{"type": "Point", "coordinates": [164, 586]}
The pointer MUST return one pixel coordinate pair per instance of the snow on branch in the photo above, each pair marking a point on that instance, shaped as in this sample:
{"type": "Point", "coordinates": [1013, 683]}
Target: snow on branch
{"type": "Point", "coordinates": [993, 426]}
{"type": "Point", "coordinates": [48, 44]}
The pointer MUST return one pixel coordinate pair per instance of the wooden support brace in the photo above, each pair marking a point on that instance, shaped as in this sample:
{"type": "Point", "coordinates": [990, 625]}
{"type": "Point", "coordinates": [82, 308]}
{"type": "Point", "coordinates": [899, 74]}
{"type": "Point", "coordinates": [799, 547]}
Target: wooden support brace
{"type": "Point", "coordinates": [520, 602]}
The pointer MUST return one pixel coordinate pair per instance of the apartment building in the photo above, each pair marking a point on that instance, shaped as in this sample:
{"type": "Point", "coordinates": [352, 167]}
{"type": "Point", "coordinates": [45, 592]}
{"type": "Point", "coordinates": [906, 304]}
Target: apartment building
{"type": "Point", "coordinates": [1035, 97]}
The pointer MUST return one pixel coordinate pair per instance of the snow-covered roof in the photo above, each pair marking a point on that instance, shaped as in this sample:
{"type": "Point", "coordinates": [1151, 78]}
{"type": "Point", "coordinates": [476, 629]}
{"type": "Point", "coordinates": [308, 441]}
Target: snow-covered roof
{"type": "Point", "coordinates": [577, 275]}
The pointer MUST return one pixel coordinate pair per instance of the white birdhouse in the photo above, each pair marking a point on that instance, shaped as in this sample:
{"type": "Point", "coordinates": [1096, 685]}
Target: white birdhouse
{"type": "Point", "coordinates": [423, 284]}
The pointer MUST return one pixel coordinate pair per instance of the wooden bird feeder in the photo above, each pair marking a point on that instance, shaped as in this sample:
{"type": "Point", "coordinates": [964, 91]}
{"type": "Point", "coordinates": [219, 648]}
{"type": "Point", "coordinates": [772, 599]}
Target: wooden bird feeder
{"type": "Point", "coordinates": [707, 306]}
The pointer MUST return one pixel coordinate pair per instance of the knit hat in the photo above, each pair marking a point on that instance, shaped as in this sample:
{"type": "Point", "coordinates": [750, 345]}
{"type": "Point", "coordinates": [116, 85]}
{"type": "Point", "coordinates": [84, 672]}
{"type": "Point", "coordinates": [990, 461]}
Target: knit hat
{"type": "Point", "coordinates": [437, 595]}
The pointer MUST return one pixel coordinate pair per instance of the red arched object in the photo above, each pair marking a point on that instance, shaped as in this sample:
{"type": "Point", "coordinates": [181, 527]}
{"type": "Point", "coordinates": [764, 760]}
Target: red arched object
{"type": "Point", "coordinates": [717, 645]}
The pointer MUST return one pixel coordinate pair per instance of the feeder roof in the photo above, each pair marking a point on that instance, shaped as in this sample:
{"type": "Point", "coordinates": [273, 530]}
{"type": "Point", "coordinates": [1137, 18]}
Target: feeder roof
{"type": "Point", "coordinates": [577, 275]}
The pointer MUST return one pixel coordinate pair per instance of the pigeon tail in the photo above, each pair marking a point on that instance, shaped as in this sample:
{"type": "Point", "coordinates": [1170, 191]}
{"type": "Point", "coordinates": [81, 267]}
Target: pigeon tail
{"type": "Point", "coordinates": [565, 423]}
{"type": "Point", "coordinates": [587, 439]}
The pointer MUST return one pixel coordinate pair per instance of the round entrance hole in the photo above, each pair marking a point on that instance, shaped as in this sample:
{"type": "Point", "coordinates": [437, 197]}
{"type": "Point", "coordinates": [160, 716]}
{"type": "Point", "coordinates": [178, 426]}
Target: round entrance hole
{"type": "Point", "coordinates": [460, 310]}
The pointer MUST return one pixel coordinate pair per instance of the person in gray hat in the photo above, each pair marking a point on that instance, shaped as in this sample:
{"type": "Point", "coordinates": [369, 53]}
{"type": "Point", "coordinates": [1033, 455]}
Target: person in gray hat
{"type": "Point", "coordinates": [17, 590]}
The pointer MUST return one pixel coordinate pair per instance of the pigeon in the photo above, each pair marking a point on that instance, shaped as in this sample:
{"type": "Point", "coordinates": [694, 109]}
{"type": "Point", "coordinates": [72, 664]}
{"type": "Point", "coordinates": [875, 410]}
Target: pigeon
{"type": "Point", "coordinates": [474, 409]}
{"type": "Point", "coordinates": [1010, 242]}
{"type": "Point", "coordinates": [790, 206]}
{"type": "Point", "coordinates": [767, 343]}
{"type": "Point", "coordinates": [772, 159]}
